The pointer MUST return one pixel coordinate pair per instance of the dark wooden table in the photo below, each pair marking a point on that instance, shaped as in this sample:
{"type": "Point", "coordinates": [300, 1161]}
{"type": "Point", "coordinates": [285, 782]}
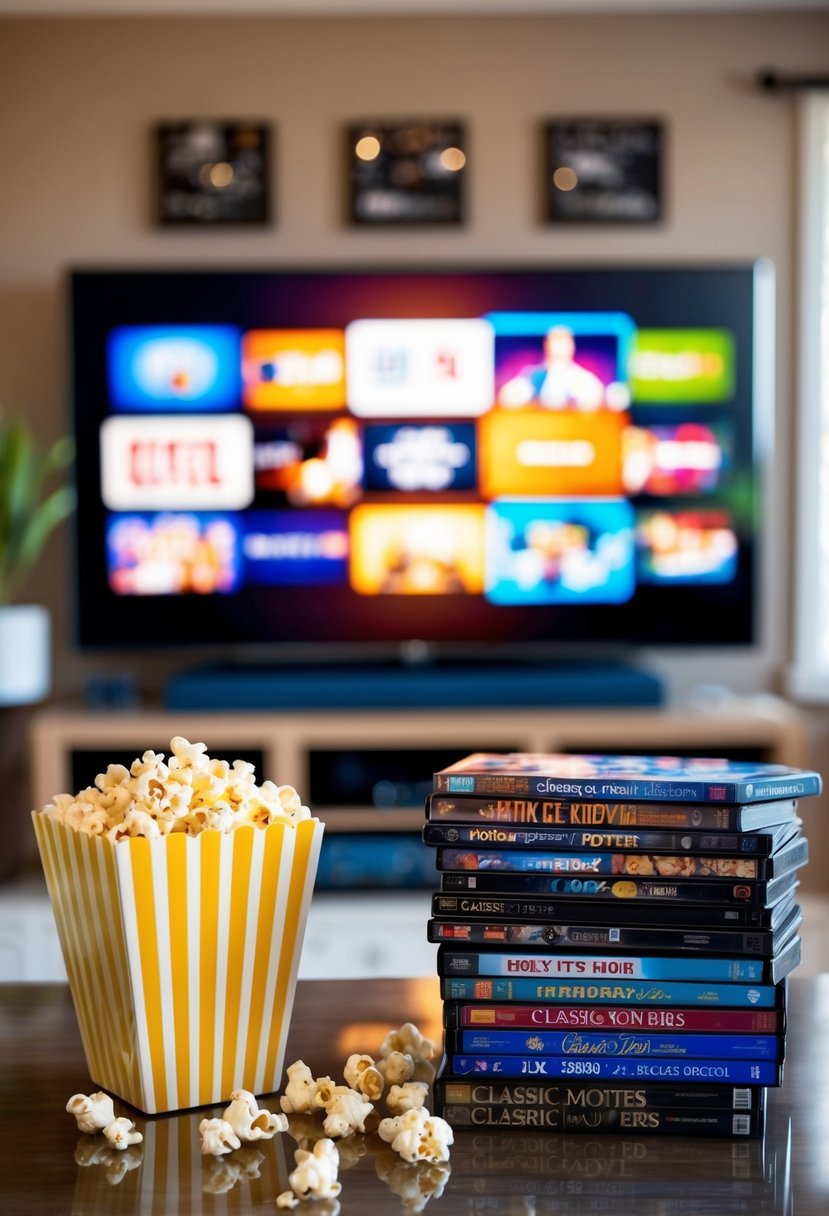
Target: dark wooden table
{"type": "Point", "coordinates": [492, 1173]}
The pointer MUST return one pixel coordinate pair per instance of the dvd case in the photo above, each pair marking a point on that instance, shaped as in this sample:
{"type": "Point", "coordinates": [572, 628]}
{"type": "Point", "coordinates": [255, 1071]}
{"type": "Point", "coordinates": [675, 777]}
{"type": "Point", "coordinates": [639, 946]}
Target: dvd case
{"type": "Point", "coordinates": [668, 1107]}
{"type": "Point", "coordinates": [725, 1072]}
{"type": "Point", "coordinates": [632, 840]}
{"type": "Point", "coordinates": [494, 962]}
{"type": "Point", "coordinates": [570, 813]}
{"type": "Point", "coordinates": [678, 867]}
{"type": "Point", "coordinates": [704, 891]}
{"type": "Point", "coordinates": [620, 938]}
{"type": "Point", "coordinates": [508, 906]}
{"type": "Point", "coordinates": [632, 778]}
{"type": "Point", "coordinates": [677, 1121]}
{"type": "Point", "coordinates": [625, 1044]}
{"type": "Point", "coordinates": [458, 1016]}
{"type": "Point", "coordinates": [597, 966]}
{"type": "Point", "coordinates": [583, 1096]}
{"type": "Point", "coordinates": [758, 996]}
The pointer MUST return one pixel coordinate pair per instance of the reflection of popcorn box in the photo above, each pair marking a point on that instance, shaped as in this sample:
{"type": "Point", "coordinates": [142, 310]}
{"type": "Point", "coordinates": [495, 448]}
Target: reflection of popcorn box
{"type": "Point", "coordinates": [182, 954]}
{"type": "Point", "coordinates": [166, 1174]}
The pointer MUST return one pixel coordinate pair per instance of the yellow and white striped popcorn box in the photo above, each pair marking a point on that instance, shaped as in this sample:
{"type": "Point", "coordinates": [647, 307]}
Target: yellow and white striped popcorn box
{"type": "Point", "coordinates": [182, 954]}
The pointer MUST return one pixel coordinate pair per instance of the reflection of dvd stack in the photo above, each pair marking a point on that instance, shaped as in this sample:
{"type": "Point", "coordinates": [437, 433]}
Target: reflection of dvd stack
{"type": "Point", "coordinates": [547, 1175]}
{"type": "Point", "coordinates": [613, 965]}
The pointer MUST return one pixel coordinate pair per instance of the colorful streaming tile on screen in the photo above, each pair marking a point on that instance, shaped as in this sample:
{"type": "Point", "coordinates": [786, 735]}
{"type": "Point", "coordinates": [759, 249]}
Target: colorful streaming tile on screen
{"type": "Point", "coordinates": [417, 550]}
{"type": "Point", "coordinates": [295, 548]}
{"type": "Point", "coordinates": [562, 360]}
{"type": "Point", "coordinates": [560, 551]}
{"type": "Point", "coordinates": [181, 462]}
{"type": "Point", "coordinates": [686, 547]}
{"type": "Point", "coordinates": [682, 365]}
{"type": "Point", "coordinates": [310, 463]}
{"type": "Point", "coordinates": [287, 369]}
{"type": "Point", "coordinates": [686, 458]}
{"type": "Point", "coordinates": [173, 553]}
{"type": "Point", "coordinates": [433, 457]}
{"type": "Point", "coordinates": [540, 453]}
{"type": "Point", "coordinates": [419, 368]}
{"type": "Point", "coordinates": [154, 368]}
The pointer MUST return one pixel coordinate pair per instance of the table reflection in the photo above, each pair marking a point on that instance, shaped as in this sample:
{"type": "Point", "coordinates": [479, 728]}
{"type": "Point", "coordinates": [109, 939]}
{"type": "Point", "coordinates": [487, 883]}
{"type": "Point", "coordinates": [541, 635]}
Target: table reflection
{"type": "Point", "coordinates": [528, 1175]}
{"type": "Point", "coordinates": [167, 1174]}
{"type": "Point", "coordinates": [490, 1172]}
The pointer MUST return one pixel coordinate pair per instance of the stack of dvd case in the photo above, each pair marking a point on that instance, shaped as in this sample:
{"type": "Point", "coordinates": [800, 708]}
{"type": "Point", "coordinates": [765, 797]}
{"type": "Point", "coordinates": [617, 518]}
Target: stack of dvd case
{"type": "Point", "coordinates": [615, 934]}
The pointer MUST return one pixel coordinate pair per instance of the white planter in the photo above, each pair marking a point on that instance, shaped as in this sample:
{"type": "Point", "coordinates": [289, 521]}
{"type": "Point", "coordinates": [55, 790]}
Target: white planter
{"type": "Point", "coordinates": [25, 649]}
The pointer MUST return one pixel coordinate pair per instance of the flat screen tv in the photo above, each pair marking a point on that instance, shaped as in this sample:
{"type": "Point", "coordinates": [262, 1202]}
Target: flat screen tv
{"type": "Point", "coordinates": [492, 457]}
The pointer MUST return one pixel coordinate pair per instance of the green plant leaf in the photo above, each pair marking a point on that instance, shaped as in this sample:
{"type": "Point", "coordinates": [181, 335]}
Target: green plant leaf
{"type": "Point", "coordinates": [18, 483]}
{"type": "Point", "coordinates": [28, 514]}
{"type": "Point", "coordinates": [59, 456]}
{"type": "Point", "coordinates": [46, 517]}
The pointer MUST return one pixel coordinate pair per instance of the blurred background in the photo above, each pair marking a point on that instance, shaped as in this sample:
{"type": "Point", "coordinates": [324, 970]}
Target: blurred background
{"type": "Point", "coordinates": [83, 89]}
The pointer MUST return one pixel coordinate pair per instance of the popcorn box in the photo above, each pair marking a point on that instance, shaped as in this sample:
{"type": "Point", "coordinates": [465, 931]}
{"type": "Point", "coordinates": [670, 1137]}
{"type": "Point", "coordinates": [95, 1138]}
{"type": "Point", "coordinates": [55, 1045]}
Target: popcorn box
{"type": "Point", "coordinates": [182, 954]}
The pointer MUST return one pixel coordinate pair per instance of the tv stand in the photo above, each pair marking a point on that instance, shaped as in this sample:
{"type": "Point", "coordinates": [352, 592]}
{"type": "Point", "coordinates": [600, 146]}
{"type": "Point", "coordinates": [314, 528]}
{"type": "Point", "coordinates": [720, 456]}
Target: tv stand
{"type": "Point", "coordinates": [367, 770]}
{"type": "Point", "coordinates": [414, 685]}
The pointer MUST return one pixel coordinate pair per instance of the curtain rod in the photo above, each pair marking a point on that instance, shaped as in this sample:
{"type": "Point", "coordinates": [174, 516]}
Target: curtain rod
{"type": "Point", "coordinates": [778, 82]}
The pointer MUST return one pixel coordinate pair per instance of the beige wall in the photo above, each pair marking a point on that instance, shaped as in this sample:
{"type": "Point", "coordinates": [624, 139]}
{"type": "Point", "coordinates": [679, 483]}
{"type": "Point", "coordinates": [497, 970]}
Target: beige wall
{"type": "Point", "coordinates": [77, 99]}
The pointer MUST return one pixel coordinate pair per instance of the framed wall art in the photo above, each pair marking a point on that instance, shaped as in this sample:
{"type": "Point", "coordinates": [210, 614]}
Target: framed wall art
{"type": "Point", "coordinates": [213, 172]}
{"type": "Point", "coordinates": [603, 171]}
{"type": "Point", "coordinates": [406, 172]}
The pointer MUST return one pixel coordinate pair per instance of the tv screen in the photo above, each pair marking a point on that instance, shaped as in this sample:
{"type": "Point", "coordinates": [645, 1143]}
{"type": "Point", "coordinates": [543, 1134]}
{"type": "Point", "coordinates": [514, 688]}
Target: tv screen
{"type": "Point", "coordinates": [467, 456]}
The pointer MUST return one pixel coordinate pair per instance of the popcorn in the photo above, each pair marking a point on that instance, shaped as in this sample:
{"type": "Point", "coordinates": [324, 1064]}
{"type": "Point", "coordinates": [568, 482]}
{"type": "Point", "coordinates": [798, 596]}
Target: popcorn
{"type": "Point", "coordinates": [96, 1113]}
{"type": "Point", "coordinates": [409, 1096]}
{"type": "Point", "coordinates": [217, 1137]}
{"type": "Point", "coordinates": [362, 1074]}
{"type": "Point", "coordinates": [315, 1176]}
{"type": "Point", "coordinates": [187, 755]}
{"type": "Point", "coordinates": [396, 1067]}
{"type": "Point", "coordinates": [418, 1136]}
{"type": "Point", "coordinates": [326, 1088]}
{"type": "Point", "coordinates": [248, 1121]}
{"type": "Point", "coordinates": [137, 823]}
{"type": "Point", "coordinates": [92, 1113]}
{"type": "Point", "coordinates": [96, 821]}
{"type": "Point", "coordinates": [346, 1112]}
{"type": "Point", "coordinates": [121, 1133]}
{"type": "Point", "coordinates": [408, 1039]}
{"type": "Point", "coordinates": [115, 775]}
{"type": "Point", "coordinates": [300, 1091]}
{"type": "Point", "coordinates": [189, 793]}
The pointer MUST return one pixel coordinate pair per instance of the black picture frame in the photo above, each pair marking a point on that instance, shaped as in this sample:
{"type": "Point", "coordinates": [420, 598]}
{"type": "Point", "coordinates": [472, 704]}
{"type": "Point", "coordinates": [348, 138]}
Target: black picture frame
{"type": "Point", "coordinates": [414, 172]}
{"type": "Point", "coordinates": [604, 171]}
{"type": "Point", "coordinates": [213, 173]}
